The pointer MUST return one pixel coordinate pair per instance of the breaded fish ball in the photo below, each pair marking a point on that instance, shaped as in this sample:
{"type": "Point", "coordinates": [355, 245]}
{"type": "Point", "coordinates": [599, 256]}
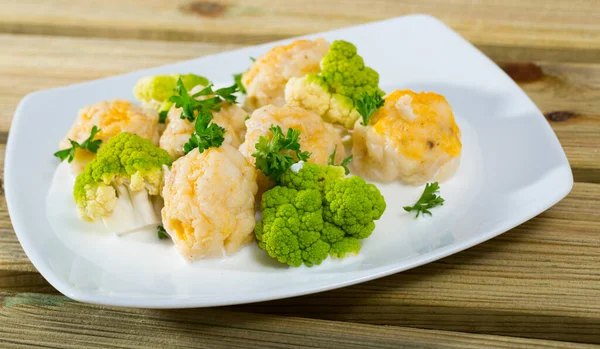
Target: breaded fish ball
{"type": "Point", "coordinates": [412, 138]}
{"type": "Point", "coordinates": [112, 118]}
{"type": "Point", "coordinates": [178, 130]}
{"type": "Point", "coordinates": [209, 202]}
{"type": "Point", "coordinates": [316, 136]}
{"type": "Point", "coordinates": [265, 80]}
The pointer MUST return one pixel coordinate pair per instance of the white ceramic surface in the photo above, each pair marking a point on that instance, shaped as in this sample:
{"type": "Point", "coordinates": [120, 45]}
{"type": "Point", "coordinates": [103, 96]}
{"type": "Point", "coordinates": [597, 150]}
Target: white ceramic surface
{"type": "Point", "coordinates": [512, 169]}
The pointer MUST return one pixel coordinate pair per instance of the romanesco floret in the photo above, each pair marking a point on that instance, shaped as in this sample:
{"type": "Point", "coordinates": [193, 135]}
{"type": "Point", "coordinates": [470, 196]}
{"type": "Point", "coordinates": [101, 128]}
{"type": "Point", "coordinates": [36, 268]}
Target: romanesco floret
{"type": "Point", "coordinates": [316, 212]}
{"type": "Point", "coordinates": [120, 183]}
{"type": "Point", "coordinates": [311, 176]}
{"type": "Point", "coordinates": [333, 93]}
{"type": "Point", "coordinates": [154, 91]}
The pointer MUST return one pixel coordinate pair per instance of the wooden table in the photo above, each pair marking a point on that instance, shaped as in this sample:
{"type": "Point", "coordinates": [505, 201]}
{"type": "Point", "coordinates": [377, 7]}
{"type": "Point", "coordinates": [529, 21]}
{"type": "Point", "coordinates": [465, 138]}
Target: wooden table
{"type": "Point", "coordinates": [536, 285]}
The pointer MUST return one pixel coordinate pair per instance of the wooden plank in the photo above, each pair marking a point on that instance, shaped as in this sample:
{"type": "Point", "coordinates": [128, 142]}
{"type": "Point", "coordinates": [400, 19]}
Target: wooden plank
{"type": "Point", "coordinates": [24, 282]}
{"type": "Point", "coordinates": [569, 96]}
{"type": "Point", "coordinates": [528, 282]}
{"type": "Point", "coordinates": [45, 320]}
{"type": "Point", "coordinates": [524, 23]}
{"type": "Point", "coordinates": [539, 280]}
{"type": "Point", "coordinates": [475, 291]}
{"type": "Point", "coordinates": [571, 90]}
{"type": "Point", "coordinates": [66, 61]}
{"type": "Point", "coordinates": [515, 53]}
{"type": "Point", "coordinates": [514, 284]}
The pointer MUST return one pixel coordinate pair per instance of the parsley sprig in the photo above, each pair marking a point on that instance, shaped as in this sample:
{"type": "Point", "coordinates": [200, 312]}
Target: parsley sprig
{"type": "Point", "coordinates": [368, 105]}
{"type": "Point", "coordinates": [344, 162]}
{"type": "Point", "coordinates": [238, 82]}
{"type": "Point", "coordinates": [190, 106]}
{"type": "Point", "coordinates": [274, 155]}
{"type": "Point", "coordinates": [162, 116]}
{"type": "Point", "coordinates": [88, 144]}
{"type": "Point", "coordinates": [206, 134]}
{"type": "Point", "coordinates": [429, 199]}
{"type": "Point", "coordinates": [227, 93]}
{"type": "Point", "coordinates": [162, 233]}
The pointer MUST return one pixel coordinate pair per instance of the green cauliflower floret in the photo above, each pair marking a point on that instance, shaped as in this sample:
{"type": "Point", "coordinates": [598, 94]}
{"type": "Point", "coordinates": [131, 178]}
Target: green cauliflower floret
{"type": "Point", "coordinates": [290, 226]}
{"type": "Point", "coordinates": [316, 212]}
{"type": "Point", "coordinates": [333, 93]}
{"type": "Point", "coordinates": [353, 205]}
{"type": "Point", "coordinates": [344, 71]}
{"type": "Point", "coordinates": [121, 183]}
{"type": "Point", "coordinates": [154, 91]}
{"type": "Point", "coordinates": [311, 176]}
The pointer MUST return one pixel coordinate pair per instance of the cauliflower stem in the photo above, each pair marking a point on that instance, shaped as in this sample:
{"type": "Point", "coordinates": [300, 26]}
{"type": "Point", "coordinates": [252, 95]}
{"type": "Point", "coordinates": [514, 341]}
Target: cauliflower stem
{"type": "Point", "coordinates": [133, 210]}
{"type": "Point", "coordinates": [121, 183]}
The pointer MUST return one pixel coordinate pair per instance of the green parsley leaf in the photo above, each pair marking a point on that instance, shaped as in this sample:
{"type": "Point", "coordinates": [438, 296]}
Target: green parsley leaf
{"type": "Point", "coordinates": [163, 111]}
{"type": "Point", "coordinates": [227, 93]}
{"type": "Point", "coordinates": [253, 59]}
{"type": "Point", "coordinates": [190, 106]}
{"type": "Point", "coordinates": [274, 155]}
{"type": "Point", "coordinates": [344, 162]}
{"type": "Point", "coordinates": [206, 134]}
{"type": "Point", "coordinates": [88, 144]}
{"type": "Point", "coordinates": [68, 153]}
{"type": "Point", "coordinates": [331, 161]}
{"type": "Point", "coordinates": [369, 105]}
{"type": "Point", "coordinates": [205, 91]}
{"type": "Point", "coordinates": [162, 233]}
{"type": "Point", "coordinates": [429, 199]}
{"type": "Point", "coordinates": [238, 81]}
{"type": "Point", "coordinates": [162, 116]}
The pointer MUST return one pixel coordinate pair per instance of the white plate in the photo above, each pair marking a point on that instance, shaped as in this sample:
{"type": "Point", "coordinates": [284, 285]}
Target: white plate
{"type": "Point", "coordinates": [512, 169]}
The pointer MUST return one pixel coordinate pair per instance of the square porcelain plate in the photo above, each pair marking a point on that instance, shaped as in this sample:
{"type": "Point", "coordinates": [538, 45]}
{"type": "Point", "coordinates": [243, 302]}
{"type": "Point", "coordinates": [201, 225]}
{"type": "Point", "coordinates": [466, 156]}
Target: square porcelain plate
{"type": "Point", "coordinates": [512, 169]}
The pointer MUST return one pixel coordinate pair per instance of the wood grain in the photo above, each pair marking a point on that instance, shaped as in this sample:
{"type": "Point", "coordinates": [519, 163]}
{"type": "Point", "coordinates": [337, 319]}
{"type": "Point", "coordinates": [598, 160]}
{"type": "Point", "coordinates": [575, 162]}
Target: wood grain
{"type": "Point", "coordinates": [34, 63]}
{"type": "Point", "coordinates": [475, 291]}
{"type": "Point", "coordinates": [24, 282]}
{"type": "Point", "coordinates": [48, 321]}
{"type": "Point", "coordinates": [560, 87]}
{"type": "Point", "coordinates": [533, 23]}
{"type": "Point", "coordinates": [512, 285]}
{"type": "Point", "coordinates": [568, 94]}
{"type": "Point", "coordinates": [540, 280]}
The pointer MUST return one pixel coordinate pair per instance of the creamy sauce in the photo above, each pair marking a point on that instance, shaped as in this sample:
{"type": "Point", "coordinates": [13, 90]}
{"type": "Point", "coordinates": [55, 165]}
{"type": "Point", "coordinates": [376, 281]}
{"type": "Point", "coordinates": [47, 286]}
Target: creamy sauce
{"type": "Point", "coordinates": [297, 166]}
{"type": "Point", "coordinates": [397, 232]}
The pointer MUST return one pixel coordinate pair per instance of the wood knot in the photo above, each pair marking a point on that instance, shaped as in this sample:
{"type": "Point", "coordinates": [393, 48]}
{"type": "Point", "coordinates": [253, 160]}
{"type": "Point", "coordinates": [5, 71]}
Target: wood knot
{"type": "Point", "coordinates": [559, 116]}
{"type": "Point", "coordinates": [522, 72]}
{"type": "Point", "coordinates": [205, 8]}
